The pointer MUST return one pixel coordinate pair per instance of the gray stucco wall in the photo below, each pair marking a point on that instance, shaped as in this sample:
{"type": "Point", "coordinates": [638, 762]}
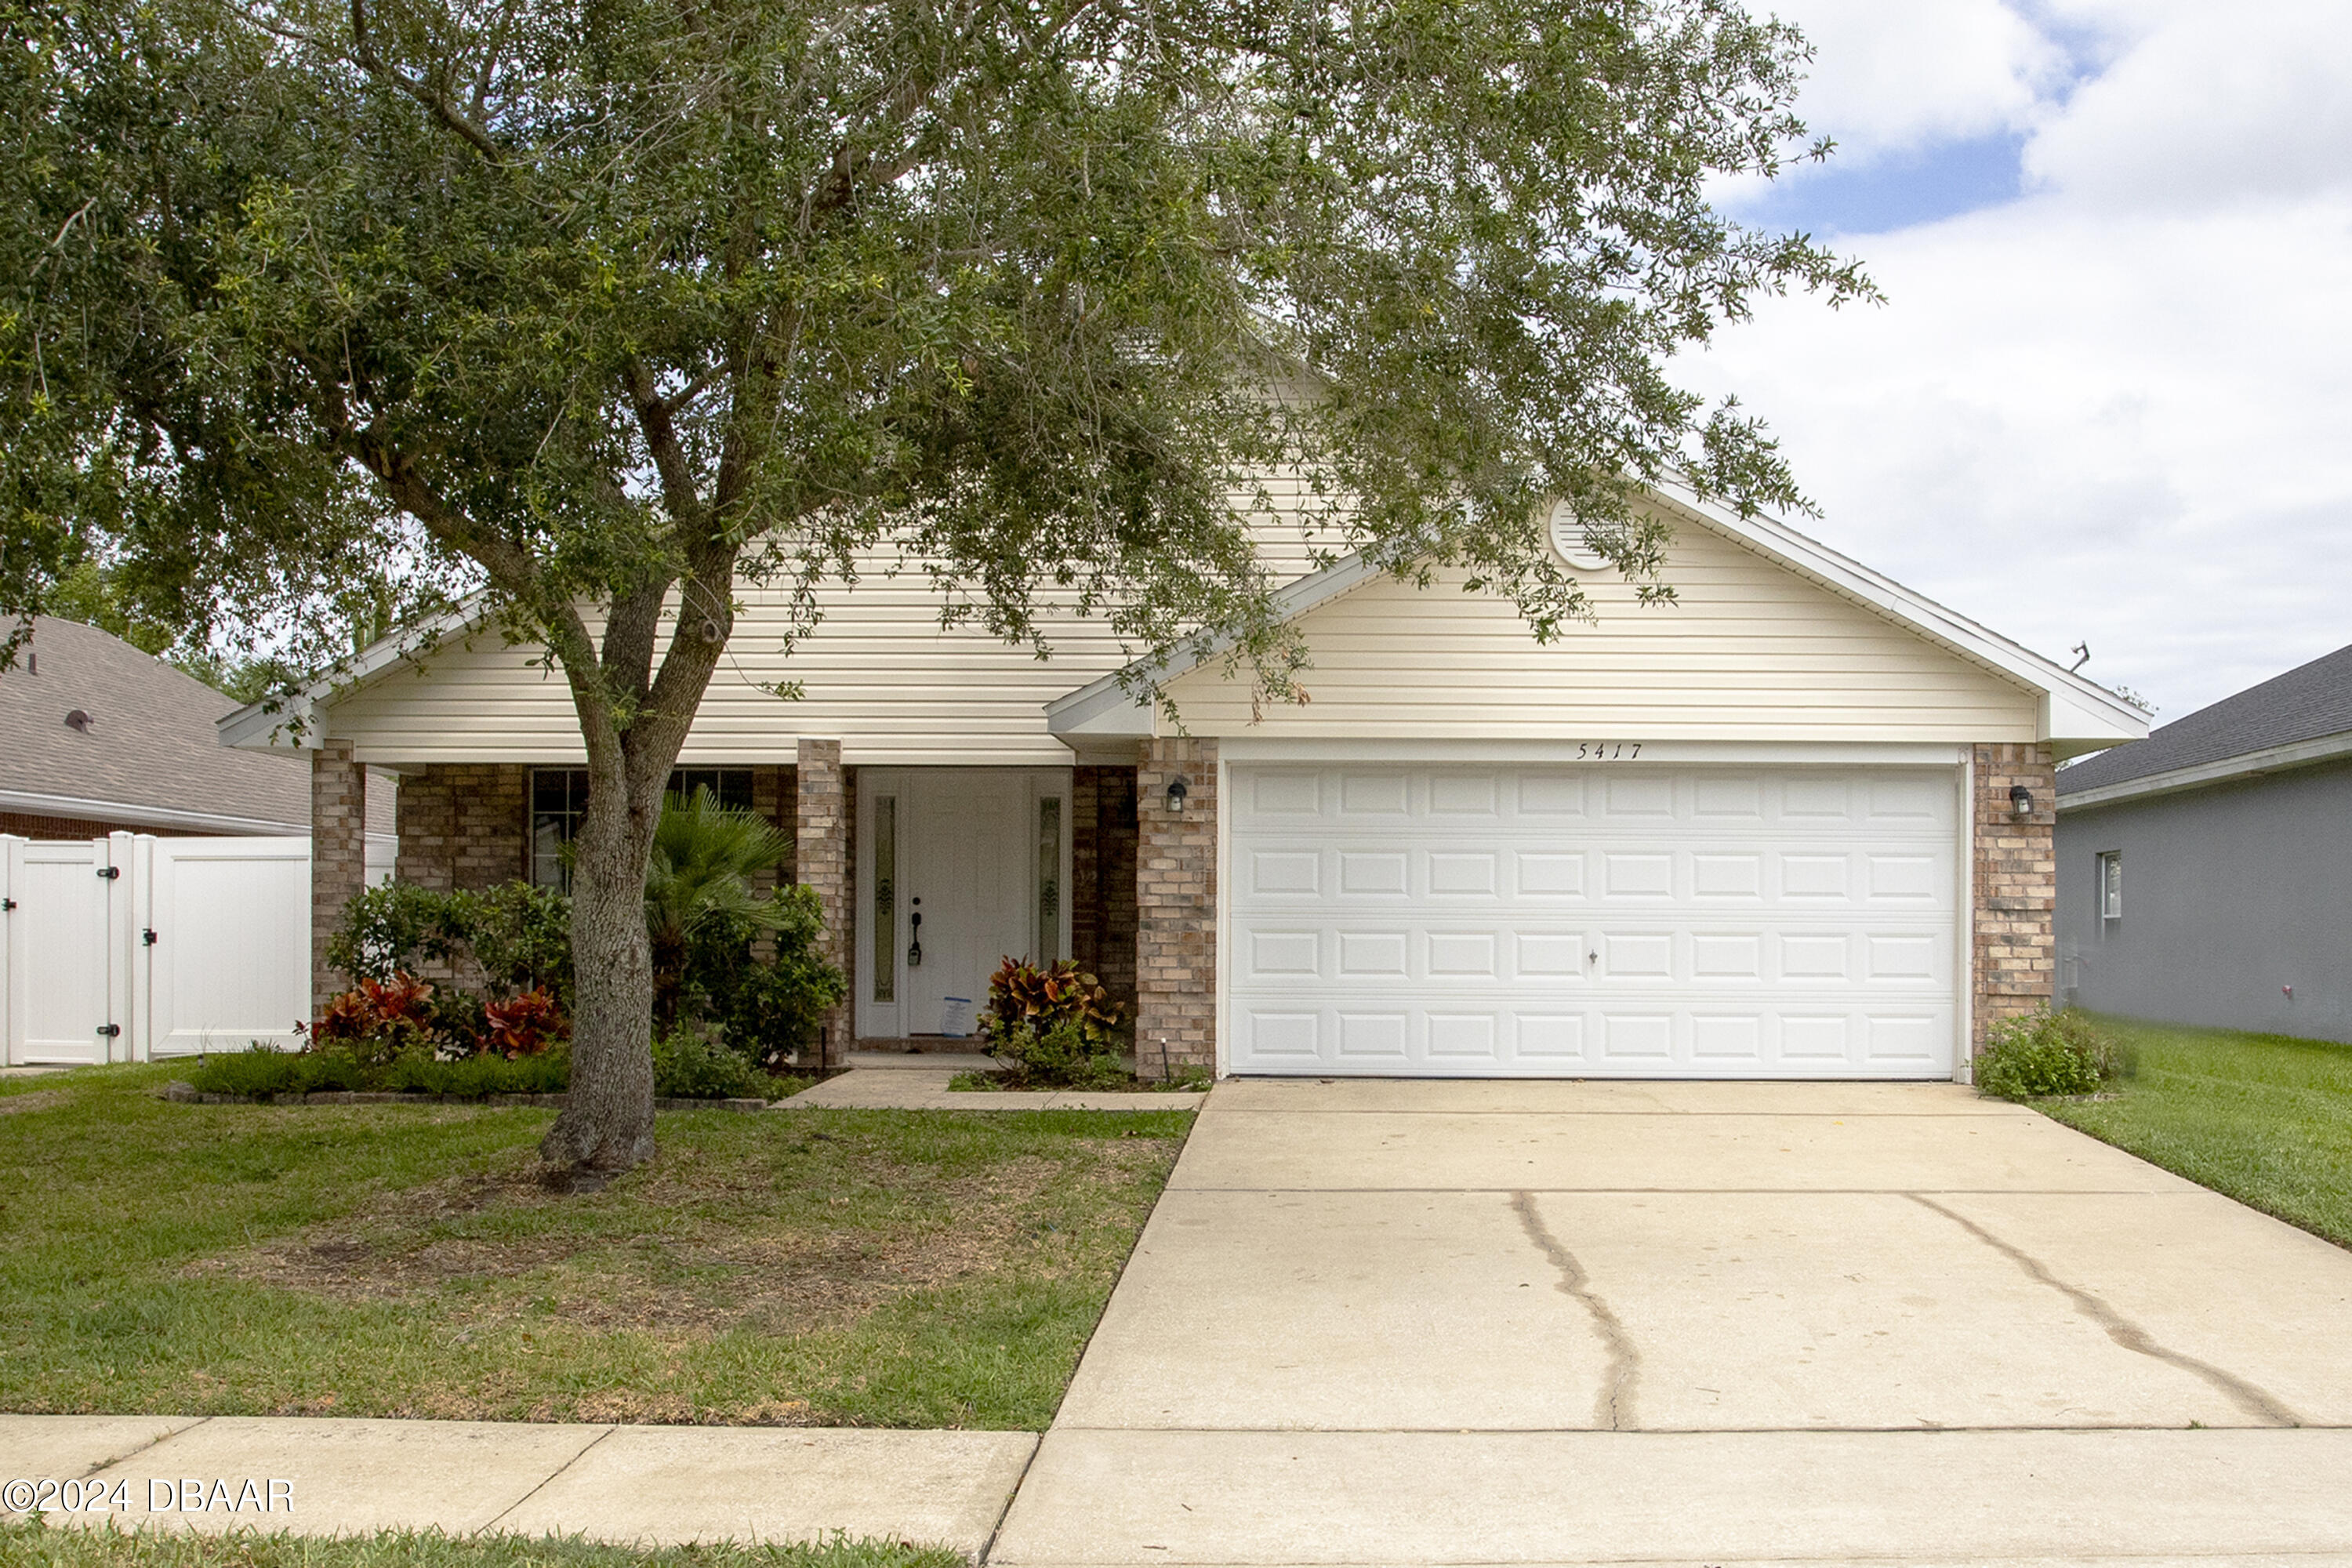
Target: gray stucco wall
{"type": "Point", "coordinates": [2230, 894]}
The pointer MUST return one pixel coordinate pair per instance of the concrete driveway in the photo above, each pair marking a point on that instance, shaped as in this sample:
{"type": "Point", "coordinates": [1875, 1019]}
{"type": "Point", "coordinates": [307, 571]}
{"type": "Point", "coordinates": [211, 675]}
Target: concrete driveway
{"type": "Point", "coordinates": [1555, 1322]}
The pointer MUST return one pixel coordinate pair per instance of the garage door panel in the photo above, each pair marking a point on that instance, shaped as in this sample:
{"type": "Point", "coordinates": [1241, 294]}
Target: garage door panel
{"type": "Point", "coordinates": [1282, 873]}
{"type": "Point", "coordinates": [1539, 920]}
{"type": "Point", "coordinates": [1284, 792]}
{"type": "Point", "coordinates": [1381, 793]}
{"type": "Point", "coordinates": [1549, 795]}
{"type": "Point", "coordinates": [1367, 1035]}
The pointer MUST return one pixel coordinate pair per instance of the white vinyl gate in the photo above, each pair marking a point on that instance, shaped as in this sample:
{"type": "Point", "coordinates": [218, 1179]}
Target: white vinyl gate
{"type": "Point", "coordinates": [131, 948]}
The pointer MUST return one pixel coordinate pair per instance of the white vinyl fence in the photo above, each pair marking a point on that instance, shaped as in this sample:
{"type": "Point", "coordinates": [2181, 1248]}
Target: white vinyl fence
{"type": "Point", "coordinates": [130, 948]}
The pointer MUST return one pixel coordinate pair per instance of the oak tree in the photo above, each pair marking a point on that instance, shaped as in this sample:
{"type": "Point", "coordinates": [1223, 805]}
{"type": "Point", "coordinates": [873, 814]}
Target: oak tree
{"type": "Point", "coordinates": [604, 310]}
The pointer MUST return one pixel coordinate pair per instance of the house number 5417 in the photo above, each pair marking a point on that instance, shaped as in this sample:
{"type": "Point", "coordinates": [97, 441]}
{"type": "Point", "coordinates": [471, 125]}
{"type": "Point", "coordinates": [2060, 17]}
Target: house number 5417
{"type": "Point", "coordinates": [1606, 750]}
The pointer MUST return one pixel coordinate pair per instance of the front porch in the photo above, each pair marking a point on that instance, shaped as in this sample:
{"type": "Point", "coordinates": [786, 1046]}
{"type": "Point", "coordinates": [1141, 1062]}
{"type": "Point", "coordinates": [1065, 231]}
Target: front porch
{"type": "Point", "coordinates": [929, 876]}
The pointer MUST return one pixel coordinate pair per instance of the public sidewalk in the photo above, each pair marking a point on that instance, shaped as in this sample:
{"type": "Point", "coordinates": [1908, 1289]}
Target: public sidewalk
{"type": "Point", "coordinates": [646, 1485]}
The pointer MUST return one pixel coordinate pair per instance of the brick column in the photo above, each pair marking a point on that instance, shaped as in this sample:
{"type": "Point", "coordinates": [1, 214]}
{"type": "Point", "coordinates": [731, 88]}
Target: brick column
{"type": "Point", "coordinates": [2015, 945]}
{"type": "Point", "coordinates": [1102, 877]}
{"type": "Point", "coordinates": [821, 860]}
{"type": "Point", "coordinates": [1176, 911]}
{"type": "Point", "coordinates": [338, 856]}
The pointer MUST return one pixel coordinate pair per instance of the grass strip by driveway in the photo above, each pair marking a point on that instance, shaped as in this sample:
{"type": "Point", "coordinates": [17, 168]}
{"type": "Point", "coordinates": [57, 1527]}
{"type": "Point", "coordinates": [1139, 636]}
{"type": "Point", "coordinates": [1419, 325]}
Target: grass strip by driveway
{"type": "Point", "coordinates": [27, 1545]}
{"type": "Point", "coordinates": [2266, 1119]}
{"type": "Point", "coordinates": [865, 1268]}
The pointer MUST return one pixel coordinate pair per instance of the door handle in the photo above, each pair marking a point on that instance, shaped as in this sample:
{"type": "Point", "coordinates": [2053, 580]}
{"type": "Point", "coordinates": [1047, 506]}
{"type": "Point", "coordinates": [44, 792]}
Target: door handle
{"type": "Point", "coordinates": [915, 950]}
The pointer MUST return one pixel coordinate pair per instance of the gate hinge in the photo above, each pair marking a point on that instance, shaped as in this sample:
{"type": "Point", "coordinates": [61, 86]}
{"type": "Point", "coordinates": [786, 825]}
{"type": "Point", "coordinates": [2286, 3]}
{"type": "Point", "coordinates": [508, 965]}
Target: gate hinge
{"type": "Point", "coordinates": [109, 1030]}
{"type": "Point", "coordinates": [109, 872]}
{"type": "Point", "coordinates": [147, 937]}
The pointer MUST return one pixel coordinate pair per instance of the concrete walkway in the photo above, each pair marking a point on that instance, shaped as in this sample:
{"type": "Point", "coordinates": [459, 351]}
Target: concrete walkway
{"type": "Point", "coordinates": [879, 1080]}
{"type": "Point", "coordinates": [656, 1485]}
{"type": "Point", "coordinates": [1555, 1323]}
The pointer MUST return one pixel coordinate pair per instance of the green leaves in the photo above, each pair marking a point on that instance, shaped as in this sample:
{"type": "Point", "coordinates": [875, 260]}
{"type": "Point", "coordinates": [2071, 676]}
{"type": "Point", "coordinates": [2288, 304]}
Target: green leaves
{"type": "Point", "coordinates": [605, 296]}
{"type": "Point", "coordinates": [605, 309]}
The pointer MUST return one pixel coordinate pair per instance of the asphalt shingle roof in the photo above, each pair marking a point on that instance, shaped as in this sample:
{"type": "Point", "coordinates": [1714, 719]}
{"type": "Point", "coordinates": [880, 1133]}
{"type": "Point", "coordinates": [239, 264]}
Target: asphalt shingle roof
{"type": "Point", "coordinates": [151, 740]}
{"type": "Point", "coordinates": [2308, 702]}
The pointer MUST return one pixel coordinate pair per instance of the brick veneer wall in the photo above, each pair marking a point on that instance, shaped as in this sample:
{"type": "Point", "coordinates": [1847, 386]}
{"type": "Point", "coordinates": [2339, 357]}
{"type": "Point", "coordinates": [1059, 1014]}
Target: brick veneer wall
{"type": "Point", "coordinates": [1102, 877]}
{"type": "Point", "coordinates": [338, 854]}
{"type": "Point", "coordinates": [2015, 945]}
{"type": "Point", "coordinates": [465, 825]}
{"type": "Point", "coordinates": [775, 795]}
{"type": "Point", "coordinates": [823, 819]}
{"type": "Point", "coordinates": [1176, 911]}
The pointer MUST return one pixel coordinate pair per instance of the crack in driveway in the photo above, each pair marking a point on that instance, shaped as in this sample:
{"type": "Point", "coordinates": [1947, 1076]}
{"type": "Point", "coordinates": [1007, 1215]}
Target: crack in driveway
{"type": "Point", "coordinates": [2256, 1401]}
{"type": "Point", "coordinates": [1613, 1408]}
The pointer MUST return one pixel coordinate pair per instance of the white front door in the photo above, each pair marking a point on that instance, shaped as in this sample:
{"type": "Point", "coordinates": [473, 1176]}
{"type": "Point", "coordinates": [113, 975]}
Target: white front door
{"type": "Point", "coordinates": [1594, 921]}
{"type": "Point", "coordinates": [957, 869]}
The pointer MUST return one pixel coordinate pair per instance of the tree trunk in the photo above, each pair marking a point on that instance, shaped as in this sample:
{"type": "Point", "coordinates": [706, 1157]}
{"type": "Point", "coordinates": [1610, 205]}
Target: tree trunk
{"type": "Point", "coordinates": [607, 1122]}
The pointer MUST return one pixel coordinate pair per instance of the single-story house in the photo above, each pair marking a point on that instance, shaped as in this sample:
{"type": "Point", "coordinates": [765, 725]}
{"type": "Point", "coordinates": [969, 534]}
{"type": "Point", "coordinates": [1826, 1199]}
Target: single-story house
{"type": "Point", "coordinates": [2205, 874]}
{"type": "Point", "coordinates": [1795, 824]}
{"type": "Point", "coordinates": [96, 737]}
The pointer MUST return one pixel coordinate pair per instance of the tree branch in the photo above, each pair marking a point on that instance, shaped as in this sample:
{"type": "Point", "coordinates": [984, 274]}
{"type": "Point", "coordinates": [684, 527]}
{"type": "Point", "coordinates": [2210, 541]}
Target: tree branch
{"type": "Point", "coordinates": [664, 446]}
{"type": "Point", "coordinates": [447, 113]}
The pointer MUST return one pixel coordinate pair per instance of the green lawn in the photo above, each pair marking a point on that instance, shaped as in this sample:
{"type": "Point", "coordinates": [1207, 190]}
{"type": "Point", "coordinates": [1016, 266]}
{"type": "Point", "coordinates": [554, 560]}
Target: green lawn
{"type": "Point", "coordinates": [897, 1269]}
{"type": "Point", "coordinates": [2264, 1118]}
{"type": "Point", "coordinates": [24, 1546]}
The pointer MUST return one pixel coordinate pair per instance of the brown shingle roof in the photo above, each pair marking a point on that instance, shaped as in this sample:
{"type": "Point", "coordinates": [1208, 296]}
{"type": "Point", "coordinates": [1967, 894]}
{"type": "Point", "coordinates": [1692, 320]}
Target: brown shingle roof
{"type": "Point", "coordinates": [150, 745]}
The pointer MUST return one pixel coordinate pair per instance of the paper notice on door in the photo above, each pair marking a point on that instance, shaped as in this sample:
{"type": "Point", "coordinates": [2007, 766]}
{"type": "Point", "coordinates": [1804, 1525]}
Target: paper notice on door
{"type": "Point", "coordinates": [955, 1016]}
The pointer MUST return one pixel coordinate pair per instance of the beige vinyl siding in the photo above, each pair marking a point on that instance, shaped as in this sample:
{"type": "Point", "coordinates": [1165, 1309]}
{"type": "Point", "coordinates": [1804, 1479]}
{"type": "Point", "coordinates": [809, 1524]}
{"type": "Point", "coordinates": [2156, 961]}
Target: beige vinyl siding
{"type": "Point", "coordinates": [879, 675]}
{"type": "Point", "coordinates": [1750, 651]}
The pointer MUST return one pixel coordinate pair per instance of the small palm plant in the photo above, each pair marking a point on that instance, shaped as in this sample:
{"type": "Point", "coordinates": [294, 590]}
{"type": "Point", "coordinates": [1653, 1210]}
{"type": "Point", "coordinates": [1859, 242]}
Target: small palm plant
{"type": "Point", "coordinates": [705, 855]}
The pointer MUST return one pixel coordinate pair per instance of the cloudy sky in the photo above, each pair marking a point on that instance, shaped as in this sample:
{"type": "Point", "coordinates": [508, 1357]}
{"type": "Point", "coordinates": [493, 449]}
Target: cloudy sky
{"type": "Point", "coordinates": [2109, 398]}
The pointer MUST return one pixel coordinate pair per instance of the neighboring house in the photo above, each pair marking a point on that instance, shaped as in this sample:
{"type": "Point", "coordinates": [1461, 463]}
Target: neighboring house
{"type": "Point", "coordinates": [2205, 874]}
{"type": "Point", "coordinates": [96, 737]}
{"type": "Point", "coordinates": [1794, 825]}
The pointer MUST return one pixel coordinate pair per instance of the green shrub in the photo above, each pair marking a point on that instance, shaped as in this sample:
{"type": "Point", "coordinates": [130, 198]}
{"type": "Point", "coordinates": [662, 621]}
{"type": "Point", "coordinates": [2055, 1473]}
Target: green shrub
{"type": "Point", "coordinates": [264, 1074]}
{"type": "Point", "coordinates": [2047, 1053]}
{"type": "Point", "coordinates": [473, 1078]}
{"type": "Point", "coordinates": [1062, 1056]}
{"type": "Point", "coordinates": [688, 1066]}
{"type": "Point", "coordinates": [519, 935]}
{"type": "Point", "coordinates": [393, 927]}
{"type": "Point", "coordinates": [769, 1008]}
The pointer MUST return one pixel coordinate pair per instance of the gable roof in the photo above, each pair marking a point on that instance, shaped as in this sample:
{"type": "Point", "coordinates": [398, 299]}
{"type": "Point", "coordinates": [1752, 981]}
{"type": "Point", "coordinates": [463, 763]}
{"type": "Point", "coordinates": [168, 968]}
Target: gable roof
{"type": "Point", "coordinates": [148, 754]}
{"type": "Point", "coordinates": [2076, 714]}
{"type": "Point", "coordinates": [2287, 719]}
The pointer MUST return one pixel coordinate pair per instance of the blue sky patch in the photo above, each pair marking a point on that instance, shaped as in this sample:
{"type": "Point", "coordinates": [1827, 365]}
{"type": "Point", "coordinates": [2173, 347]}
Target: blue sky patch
{"type": "Point", "coordinates": [1894, 190]}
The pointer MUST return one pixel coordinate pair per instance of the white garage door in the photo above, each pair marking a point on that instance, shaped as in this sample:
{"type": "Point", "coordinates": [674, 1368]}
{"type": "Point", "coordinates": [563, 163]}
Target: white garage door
{"type": "Point", "coordinates": [1611, 921]}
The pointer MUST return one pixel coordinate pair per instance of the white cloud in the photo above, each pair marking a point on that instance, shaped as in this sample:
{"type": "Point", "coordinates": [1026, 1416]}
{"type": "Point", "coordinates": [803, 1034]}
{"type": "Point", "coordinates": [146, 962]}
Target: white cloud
{"type": "Point", "coordinates": [2215, 104]}
{"type": "Point", "coordinates": [1890, 78]}
{"type": "Point", "coordinates": [2117, 410]}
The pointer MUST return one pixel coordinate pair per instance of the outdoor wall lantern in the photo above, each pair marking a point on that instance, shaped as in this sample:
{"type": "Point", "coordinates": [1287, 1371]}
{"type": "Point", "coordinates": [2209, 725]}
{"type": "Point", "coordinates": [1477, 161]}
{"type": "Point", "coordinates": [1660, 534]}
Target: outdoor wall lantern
{"type": "Point", "coordinates": [2021, 801]}
{"type": "Point", "coordinates": [1177, 790]}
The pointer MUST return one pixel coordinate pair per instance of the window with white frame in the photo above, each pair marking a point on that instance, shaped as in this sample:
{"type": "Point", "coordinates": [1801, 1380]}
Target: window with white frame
{"type": "Point", "coordinates": [559, 799]}
{"type": "Point", "coordinates": [2111, 885]}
